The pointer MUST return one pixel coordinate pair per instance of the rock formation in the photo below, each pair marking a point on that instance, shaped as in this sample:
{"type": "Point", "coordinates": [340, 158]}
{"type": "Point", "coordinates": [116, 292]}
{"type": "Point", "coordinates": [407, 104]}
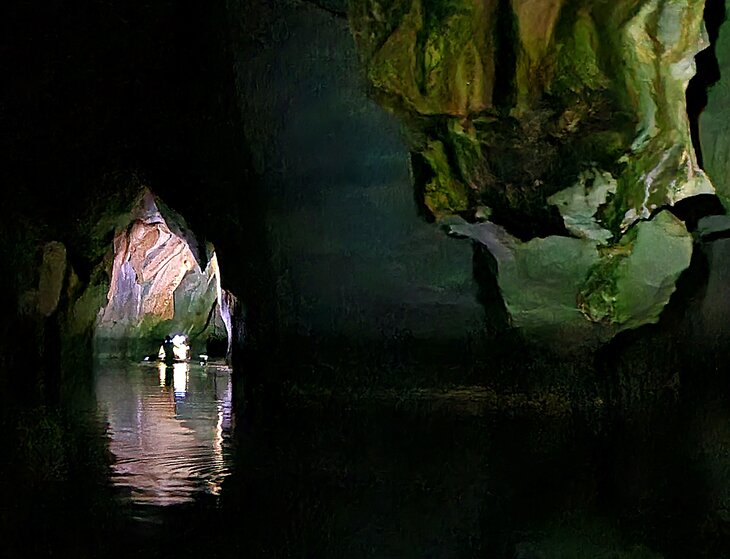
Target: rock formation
{"type": "Point", "coordinates": [160, 282]}
{"type": "Point", "coordinates": [565, 122]}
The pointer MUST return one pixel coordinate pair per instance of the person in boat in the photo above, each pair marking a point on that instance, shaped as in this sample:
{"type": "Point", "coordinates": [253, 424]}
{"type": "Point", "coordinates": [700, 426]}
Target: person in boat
{"type": "Point", "coordinates": [173, 350]}
{"type": "Point", "coordinates": [167, 351]}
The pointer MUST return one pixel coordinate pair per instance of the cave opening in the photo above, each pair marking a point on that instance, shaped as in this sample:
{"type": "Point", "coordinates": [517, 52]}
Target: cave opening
{"type": "Point", "coordinates": [165, 293]}
{"type": "Point", "coordinates": [163, 342]}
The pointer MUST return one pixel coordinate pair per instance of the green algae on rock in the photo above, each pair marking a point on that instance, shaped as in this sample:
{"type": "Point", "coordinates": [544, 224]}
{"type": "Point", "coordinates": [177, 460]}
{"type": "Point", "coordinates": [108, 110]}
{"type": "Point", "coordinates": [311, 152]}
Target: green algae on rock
{"type": "Point", "coordinates": [430, 57]}
{"type": "Point", "coordinates": [646, 279]}
{"type": "Point", "coordinates": [635, 278]}
{"type": "Point", "coordinates": [527, 106]}
{"type": "Point", "coordinates": [581, 70]}
{"type": "Point", "coordinates": [443, 194]}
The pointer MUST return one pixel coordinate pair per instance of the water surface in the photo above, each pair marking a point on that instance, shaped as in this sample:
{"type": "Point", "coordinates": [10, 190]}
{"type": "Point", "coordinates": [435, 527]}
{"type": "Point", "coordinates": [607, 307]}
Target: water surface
{"type": "Point", "coordinates": [387, 473]}
{"type": "Point", "coordinates": [168, 428]}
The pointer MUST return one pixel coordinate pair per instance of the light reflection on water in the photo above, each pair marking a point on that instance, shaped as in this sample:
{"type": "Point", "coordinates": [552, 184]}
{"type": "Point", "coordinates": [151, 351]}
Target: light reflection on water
{"type": "Point", "coordinates": [168, 428]}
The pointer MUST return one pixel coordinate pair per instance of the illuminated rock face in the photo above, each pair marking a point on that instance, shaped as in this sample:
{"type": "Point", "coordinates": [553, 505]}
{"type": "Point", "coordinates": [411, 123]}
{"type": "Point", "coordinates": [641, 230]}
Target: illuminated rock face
{"type": "Point", "coordinates": [158, 284]}
{"type": "Point", "coordinates": [551, 285]}
{"type": "Point", "coordinates": [567, 119]}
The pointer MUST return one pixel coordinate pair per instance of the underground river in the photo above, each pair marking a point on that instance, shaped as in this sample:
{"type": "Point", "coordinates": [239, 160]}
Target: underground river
{"type": "Point", "coordinates": [158, 462]}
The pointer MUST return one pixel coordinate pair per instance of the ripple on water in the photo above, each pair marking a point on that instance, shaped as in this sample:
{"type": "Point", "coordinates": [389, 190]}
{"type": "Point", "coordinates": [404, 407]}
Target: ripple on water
{"type": "Point", "coordinates": [169, 428]}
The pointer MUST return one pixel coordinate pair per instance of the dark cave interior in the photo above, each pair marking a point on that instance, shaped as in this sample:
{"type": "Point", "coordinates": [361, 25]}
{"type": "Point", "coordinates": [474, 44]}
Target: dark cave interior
{"type": "Point", "coordinates": [365, 369]}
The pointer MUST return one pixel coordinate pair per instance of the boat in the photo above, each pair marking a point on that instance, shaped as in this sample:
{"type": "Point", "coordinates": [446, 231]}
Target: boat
{"type": "Point", "coordinates": [174, 349]}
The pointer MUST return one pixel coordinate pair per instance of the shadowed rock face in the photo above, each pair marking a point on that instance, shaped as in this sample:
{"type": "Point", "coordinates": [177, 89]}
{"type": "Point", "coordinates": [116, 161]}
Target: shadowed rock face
{"type": "Point", "coordinates": [562, 117]}
{"type": "Point", "coordinates": [52, 275]}
{"type": "Point", "coordinates": [714, 122]}
{"type": "Point", "coordinates": [350, 253]}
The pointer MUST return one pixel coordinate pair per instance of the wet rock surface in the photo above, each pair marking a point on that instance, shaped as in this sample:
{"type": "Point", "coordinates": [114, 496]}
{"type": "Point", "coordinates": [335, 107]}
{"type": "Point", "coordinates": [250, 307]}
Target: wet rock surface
{"type": "Point", "coordinates": [158, 283]}
{"type": "Point", "coordinates": [551, 95]}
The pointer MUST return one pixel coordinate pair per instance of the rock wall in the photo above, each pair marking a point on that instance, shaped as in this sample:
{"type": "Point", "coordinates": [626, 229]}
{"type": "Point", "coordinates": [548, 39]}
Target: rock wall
{"type": "Point", "coordinates": [564, 123]}
{"type": "Point", "coordinates": [714, 124]}
{"type": "Point", "coordinates": [53, 326]}
{"type": "Point", "coordinates": [158, 284]}
{"type": "Point", "coordinates": [351, 256]}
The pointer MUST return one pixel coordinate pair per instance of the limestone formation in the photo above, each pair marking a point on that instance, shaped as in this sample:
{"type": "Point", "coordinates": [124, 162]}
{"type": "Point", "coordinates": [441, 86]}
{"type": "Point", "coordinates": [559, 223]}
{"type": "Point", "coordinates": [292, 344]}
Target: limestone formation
{"type": "Point", "coordinates": [567, 119]}
{"type": "Point", "coordinates": [562, 281]}
{"type": "Point", "coordinates": [158, 283]}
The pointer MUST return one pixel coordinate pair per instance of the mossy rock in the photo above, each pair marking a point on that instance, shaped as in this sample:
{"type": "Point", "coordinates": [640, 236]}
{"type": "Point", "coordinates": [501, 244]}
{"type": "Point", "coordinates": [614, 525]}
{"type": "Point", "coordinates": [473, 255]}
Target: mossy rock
{"type": "Point", "coordinates": [511, 102]}
{"type": "Point", "coordinates": [443, 194]}
{"type": "Point", "coordinates": [634, 279]}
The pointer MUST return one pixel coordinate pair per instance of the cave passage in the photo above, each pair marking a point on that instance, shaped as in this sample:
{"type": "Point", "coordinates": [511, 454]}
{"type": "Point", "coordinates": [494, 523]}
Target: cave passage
{"type": "Point", "coordinates": [162, 284]}
{"type": "Point", "coordinates": [390, 393]}
{"type": "Point", "coordinates": [165, 405]}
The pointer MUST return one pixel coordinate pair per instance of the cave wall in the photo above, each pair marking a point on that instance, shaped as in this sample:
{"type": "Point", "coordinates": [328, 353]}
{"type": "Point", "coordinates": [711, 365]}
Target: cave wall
{"type": "Point", "coordinates": [510, 101]}
{"type": "Point", "coordinates": [564, 125]}
{"type": "Point", "coordinates": [714, 127]}
{"type": "Point", "coordinates": [351, 254]}
{"type": "Point", "coordinates": [713, 133]}
{"type": "Point", "coordinates": [297, 174]}
{"type": "Point", "coordinates": [161, 282]}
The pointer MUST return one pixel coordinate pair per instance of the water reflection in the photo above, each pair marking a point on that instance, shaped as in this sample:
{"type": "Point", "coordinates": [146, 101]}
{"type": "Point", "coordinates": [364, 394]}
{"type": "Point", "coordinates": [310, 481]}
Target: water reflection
{"type": "Point", "coordinates": [180, 379]}
{"type": "Point", "coordinates": [168, 426]}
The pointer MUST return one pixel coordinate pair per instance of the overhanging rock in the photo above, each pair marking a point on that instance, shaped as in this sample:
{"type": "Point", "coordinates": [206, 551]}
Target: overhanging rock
{"type": "Point", "coordinates": [528, 106]}
{"type": "Point", "coordinates": [561, 284]}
